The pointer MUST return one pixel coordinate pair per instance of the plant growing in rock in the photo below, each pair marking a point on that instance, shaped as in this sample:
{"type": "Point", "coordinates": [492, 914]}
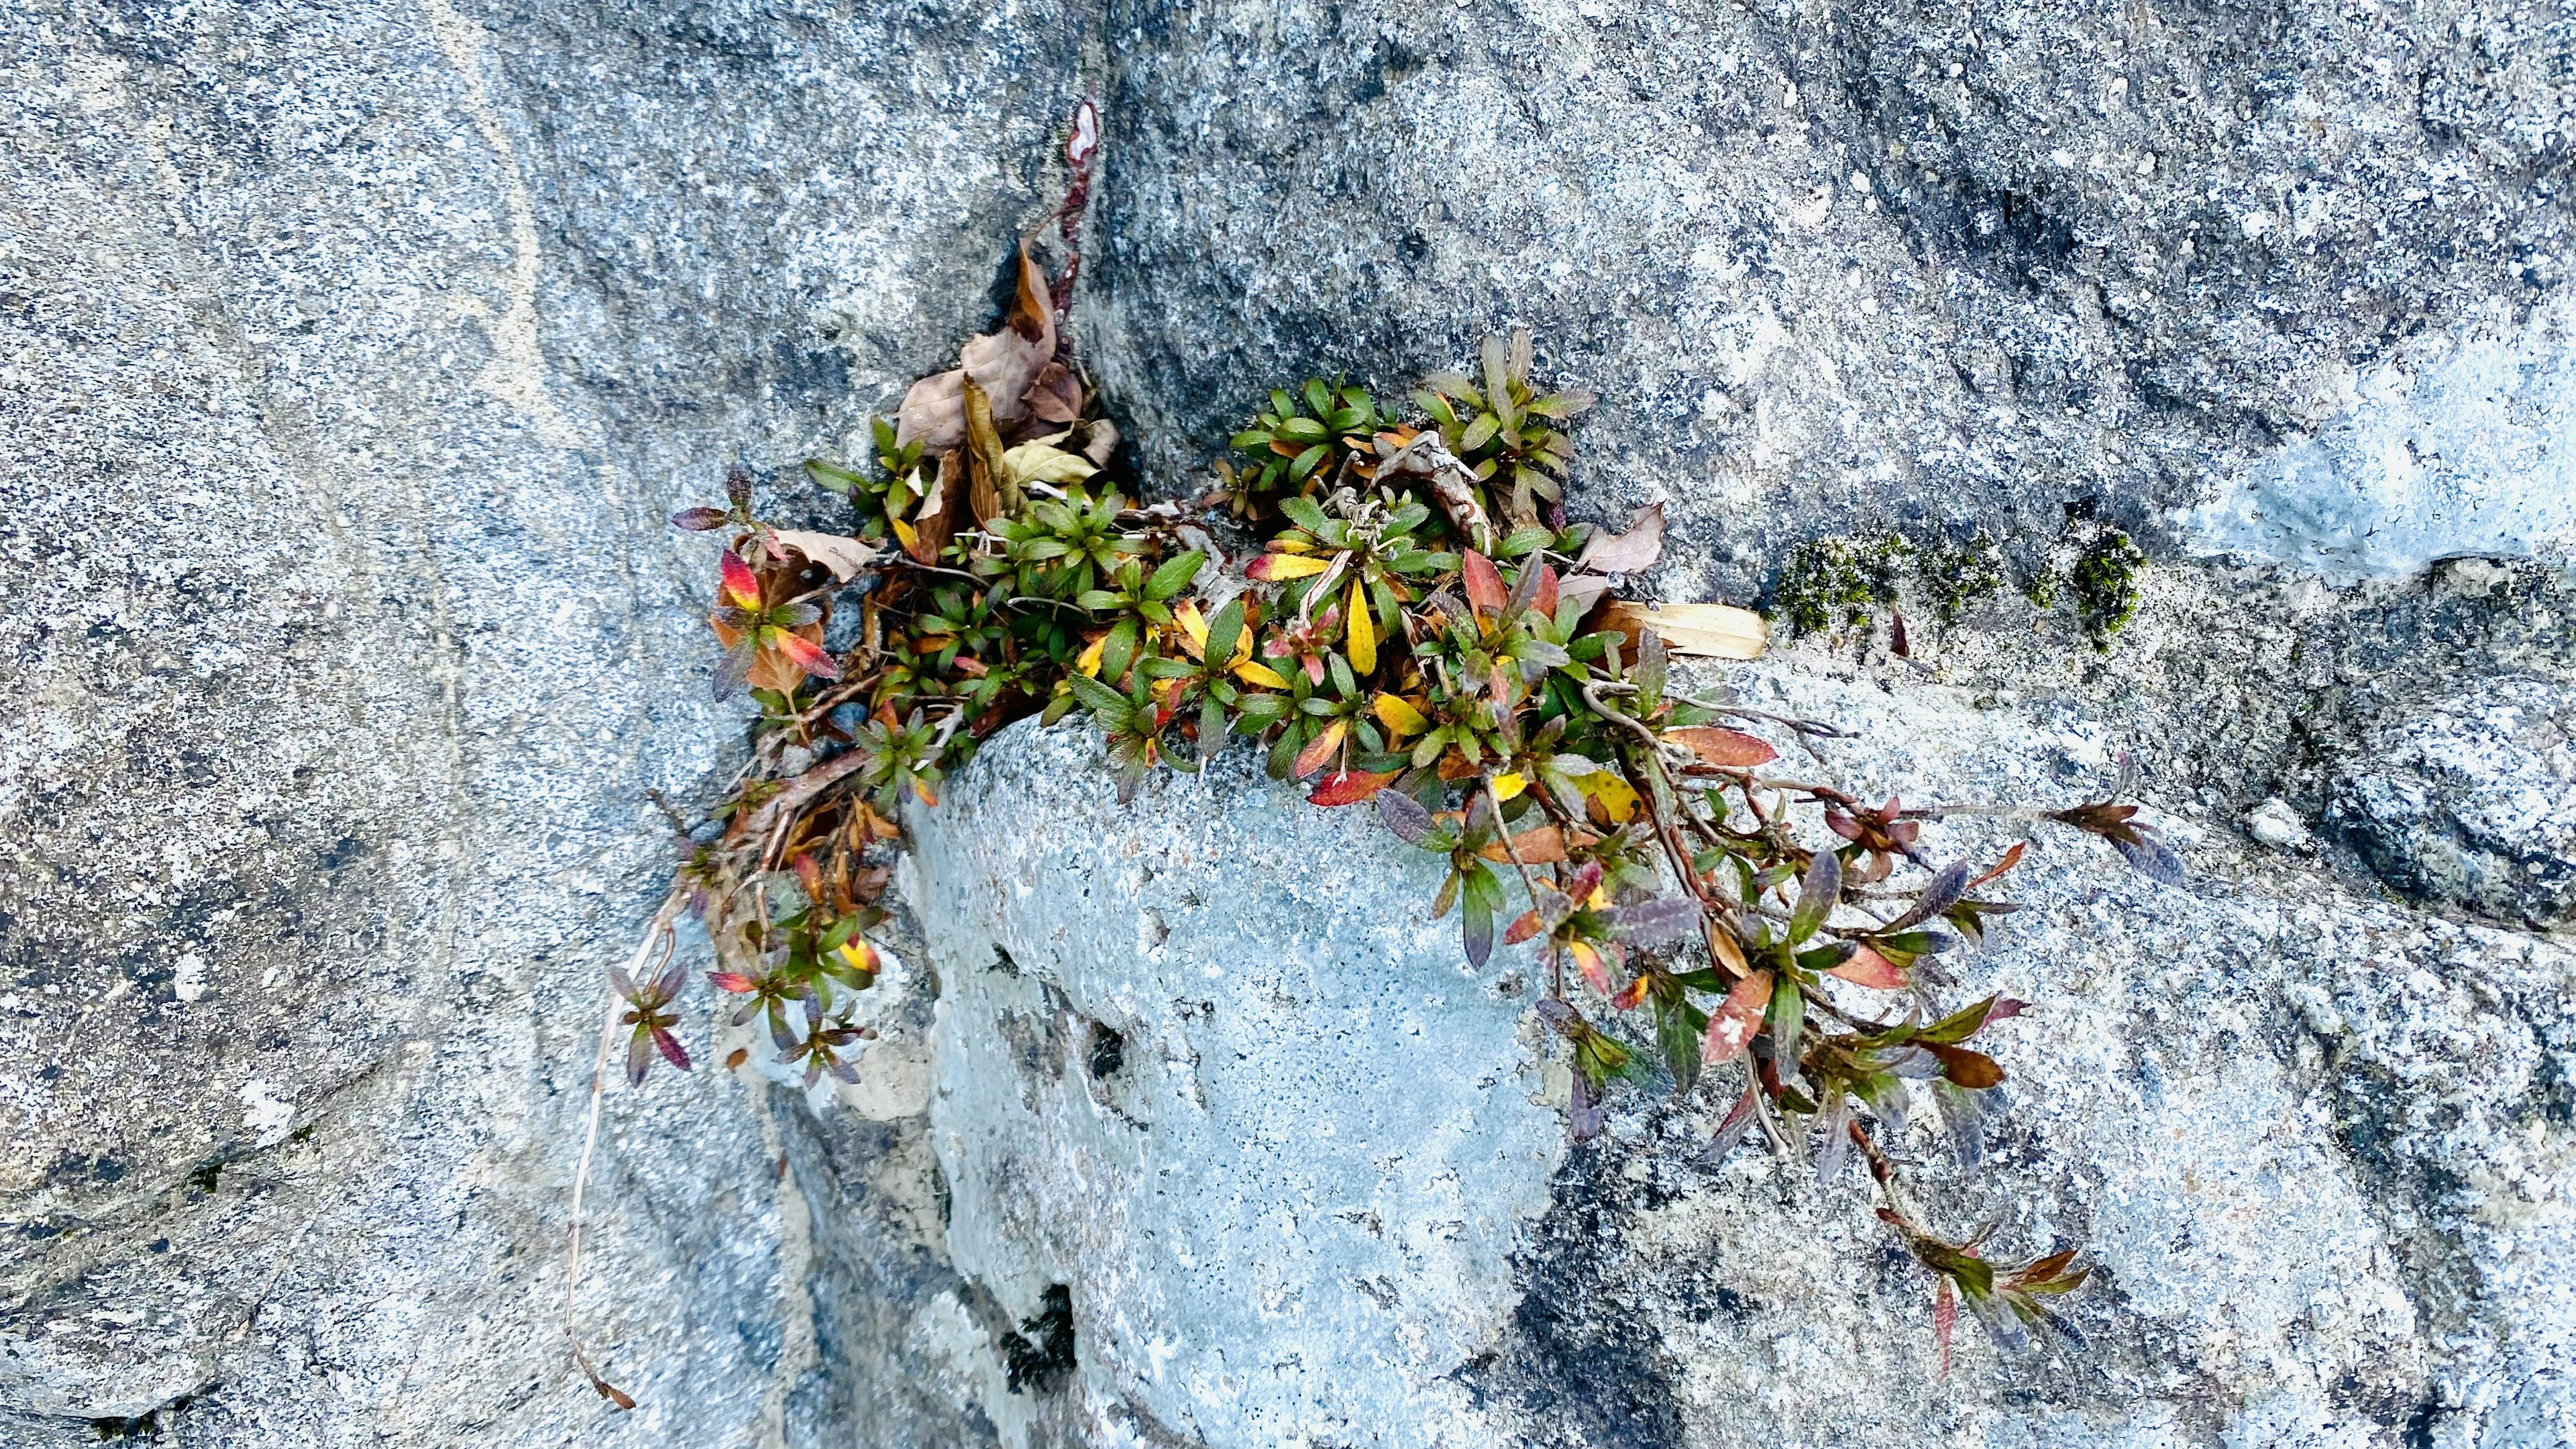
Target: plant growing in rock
{"type": "Point", "coordinates": [1403, 632]}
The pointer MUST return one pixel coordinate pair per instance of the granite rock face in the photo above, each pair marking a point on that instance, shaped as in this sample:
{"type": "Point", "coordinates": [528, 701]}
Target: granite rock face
{"type": "Point", "coordinates": [1841, 266]}
{"type": "Point", "coordinates": [2319, 1145]}
{"type": "Point", "coordinates": [350, 358]}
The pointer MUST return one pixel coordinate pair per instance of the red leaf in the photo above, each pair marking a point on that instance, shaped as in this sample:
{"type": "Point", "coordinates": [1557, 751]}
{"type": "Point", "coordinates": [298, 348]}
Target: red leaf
{"type": "Point", "coordinates": [1737, 1020]}
{"type": "Point", "coordinates": [1349, 787]}
{"type": "Point", "coordinates": [1529, 924]}
{"type": "Point", "coordinates": [741, 585]}
{"type": "Point", "coordinates": [1631, 994]}
{"type": "Point", "coordinates": [2004, 1010]}
{"type": "Point", "coordinates": [1484, 584]}
{"type": "Point", "coordinates": [808, 655]}
{"type": "Point", "coordinates": [1868, 968]}
{"type": "Point", "coordinates": [671, 1050]}
{"type": "Point", "coordinates": [1543, 597]}
{"type": "Point", "coordinates": [733, 981]}
{"type": "Point", "coordinates": [1733, 749]}
{"type": "Point", "coordinates": [699, 520]}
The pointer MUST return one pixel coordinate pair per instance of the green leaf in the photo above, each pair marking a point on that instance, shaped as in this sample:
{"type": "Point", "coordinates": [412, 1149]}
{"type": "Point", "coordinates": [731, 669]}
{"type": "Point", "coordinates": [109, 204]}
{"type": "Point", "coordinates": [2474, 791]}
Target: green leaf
{"type": "Point", "coordinates": [1119, 651]}
{"type": "Point", "coordinates": [1099, 698]}
{"type": "Point", "coordinates": [1319, 398]}
{"type": "Point", "coordinates": [1817, 895]}
{"type": "Point", "coordinates": [1224, 632]}
{"type": "Point", "coordinates": [1787, 1018]}
{"type": "Point", "coordinates": [1302, 430]}
{"type": "Point", "coordinates": [1308, 460]}
{"type": "Point", "coordinates": [1479, 433]}
{"type": "Point", "coordinates": [1174, 575]}
{"type": "Point", "coordinates": [1678, 1040]}
{"type": "Point", "coordinates": [1302, 512]}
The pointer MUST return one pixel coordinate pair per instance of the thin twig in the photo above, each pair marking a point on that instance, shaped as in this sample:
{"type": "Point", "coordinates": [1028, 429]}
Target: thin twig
{"type": "Point", "coordinates": [658, 931]}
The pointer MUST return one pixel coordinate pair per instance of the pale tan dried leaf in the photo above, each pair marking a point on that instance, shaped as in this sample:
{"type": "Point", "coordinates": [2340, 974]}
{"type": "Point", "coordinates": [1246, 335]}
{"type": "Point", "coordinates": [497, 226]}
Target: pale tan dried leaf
{"type": "Point", "coordinates": [1102, 442]}
{"type": "Point", "coordinates": [843, 556]}
{"type": "Point", "coordinates": [933, 413]}
{"type": "Point", "coordinates": [1633, 551]}
{"type": "Point", "coordinates": [1706, 631]}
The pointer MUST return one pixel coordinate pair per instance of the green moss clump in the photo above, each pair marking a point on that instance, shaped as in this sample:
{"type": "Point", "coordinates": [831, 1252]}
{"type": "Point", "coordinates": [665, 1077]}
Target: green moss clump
{"type": "Point", "coordinates": [1830, 583]}
{"type": "Point", "coordinates": [1960, 574]}
{"type": "Point", "coordinates": [1821, 585]}
{"type": "Point", "coordinates": [2104, 580]}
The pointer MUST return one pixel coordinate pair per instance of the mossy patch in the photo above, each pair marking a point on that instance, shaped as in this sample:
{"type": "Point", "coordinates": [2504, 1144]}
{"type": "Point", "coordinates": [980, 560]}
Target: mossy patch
{"type": "Point", "coordinates": [2104, 582]}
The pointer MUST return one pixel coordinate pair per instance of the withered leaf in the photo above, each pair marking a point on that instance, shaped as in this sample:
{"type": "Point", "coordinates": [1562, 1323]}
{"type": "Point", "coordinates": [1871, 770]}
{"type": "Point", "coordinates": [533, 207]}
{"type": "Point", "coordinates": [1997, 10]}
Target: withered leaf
{"type": "Point", "coordinates": [1054, 396]}
{"type": "Point", "coordinates": [1004, 364]}
{"type": "Point", "coordinates": [987, 481]}
{"type": "Point", "coordinates": [843, 556]}
{"type": "Point", "coordinates": [1731, 748]}
{"type": "Point", "coordinates": [1631, 551]}
{"type": "Point", "coordinates": [1706, 631]}
{"type": "Point", "coordinates": [1737, 1020]}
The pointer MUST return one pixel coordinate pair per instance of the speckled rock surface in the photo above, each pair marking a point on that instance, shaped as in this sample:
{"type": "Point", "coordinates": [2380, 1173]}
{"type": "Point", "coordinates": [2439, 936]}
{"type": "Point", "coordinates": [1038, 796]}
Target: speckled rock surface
{"type": "Point", "coordinates": [1841, 265]}
{"type": "Point", "coordinates": [350, 357]}
{"type": "Point", "coordinates": [2319, 1145]}
{"type": "Point", "coordinates": [1203, 1062]}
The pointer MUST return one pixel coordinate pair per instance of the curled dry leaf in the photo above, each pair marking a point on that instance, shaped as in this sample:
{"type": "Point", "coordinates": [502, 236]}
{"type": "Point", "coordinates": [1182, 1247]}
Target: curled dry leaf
{"type": "Point", "coordinates": [1102, 442]}
{"type": "Point", "coordinates": [843, 556]}
{"type": "Point", "coordinates": [1706, 631]}
{"type": "Point", "coordinates": [1629, 552]}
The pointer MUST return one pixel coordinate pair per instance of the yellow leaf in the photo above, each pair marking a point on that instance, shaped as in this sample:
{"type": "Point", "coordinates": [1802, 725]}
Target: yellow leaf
{"type": "Point", "coordinates": [1291, 545]}
{"type": "Point", "coordinates": [1398, 716]}
{"type": "Point", "coordinates": [1248, 671]}
{"type": "Point", "coordinates": [1618, 802]}
{"type": "Point", "coordinates": [903, 530]}
{"type": "Point", "coordinates": [1509, 786]}
{"type": "Point", "coordinates": [1362, 636]}
{"type": "Point", "coordinates": [1089, 662]}
{"type": "Point", "coordinates": [860, 955]}
{"type": "Point", "coordinates": [1277, 567]}
{"type": "Point", "coordinates": [1192, 624]}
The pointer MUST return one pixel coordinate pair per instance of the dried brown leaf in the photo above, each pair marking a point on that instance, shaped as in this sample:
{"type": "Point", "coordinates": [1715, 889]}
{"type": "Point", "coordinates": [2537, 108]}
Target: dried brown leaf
{"type": "Point", "coordinates": [1632, 551]}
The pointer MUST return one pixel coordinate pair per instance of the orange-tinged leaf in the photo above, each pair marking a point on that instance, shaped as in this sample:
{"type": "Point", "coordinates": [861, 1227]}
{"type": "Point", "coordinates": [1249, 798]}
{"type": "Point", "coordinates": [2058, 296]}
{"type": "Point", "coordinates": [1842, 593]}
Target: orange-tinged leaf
{"type": "Point", "coordinates": [1484, 584]}
{"type": "Point", "coordinates": [2011, 858]}
{"type": "Point", "coordinates": [741, 585]}
{"type": "Point", "coordinates": [1454, 766]}
{"type": "Point", "coordinates": [806, 654]}
{"type": "Point", "coordinates": [1728, 950]}
{"type": "Point", "coordinates": [861, 956]}
{"type": "Point", "coordinates": [1971, 1069]}
{"type": "Point", "coordinates": [1528, 924]}
{"type": "Point", "coordinates": [1398, 715]}
{"type": "Point", "coordinates": [1361, 637]}
{"type": "Point", "coordinates": [1538, 845]}
{"type": "Point", "coordinates": [1733, 749]}
{"type": "Point", "coordinates": [1274, 568]}
{"type": "Point", "coordinates": [735, 1058]}
{"type": "Point", "coordinates": [1349, 787]}
{"type": "Point", "coordinates": [1319, 750]}
{"type": "Point", "coordinates": [1737, 1020]}
{"type": "Point", "coordinates": [1868, 968]}
{"type": "Point", "coordinates": [1596, 972]}
{"type": "Point", "coordinates": [1543, 595]}
{"type": "Point", "coordinates": [1249, 671]}
{"type": "Point", "coordinates": [1632, 993]}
